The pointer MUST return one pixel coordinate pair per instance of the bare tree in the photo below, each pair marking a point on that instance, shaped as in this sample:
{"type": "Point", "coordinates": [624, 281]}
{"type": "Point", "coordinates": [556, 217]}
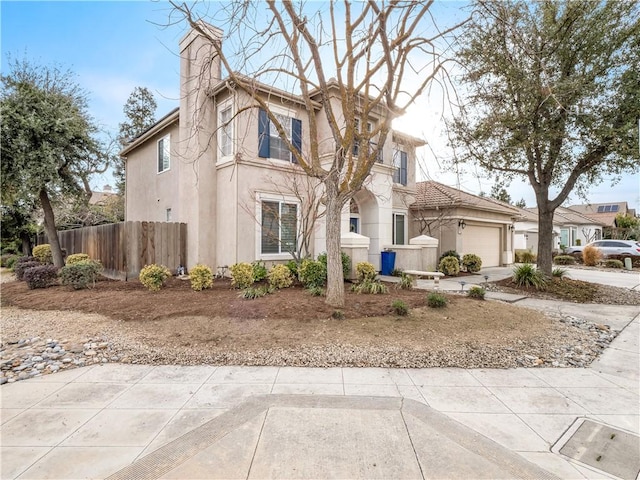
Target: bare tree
{"type": "Point", "coordinates": [307, 192]}
{"type": "Point", "coordinates": [358, 61]}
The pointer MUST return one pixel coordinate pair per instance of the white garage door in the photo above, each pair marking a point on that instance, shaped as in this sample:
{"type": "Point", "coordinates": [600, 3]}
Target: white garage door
{"type": "Point", "coordinates": [484, 242]}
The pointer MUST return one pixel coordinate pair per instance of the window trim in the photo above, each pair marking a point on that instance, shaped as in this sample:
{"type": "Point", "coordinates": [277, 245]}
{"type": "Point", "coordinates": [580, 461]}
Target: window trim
{"type": "Point", "coordinates": [266, 197]}
{"type": "Point", "coordinates": [223, 107]}
{"type": "Point", "coordinates": [158, 166]}
{"type": "Point", "coordinates": [405, 233]}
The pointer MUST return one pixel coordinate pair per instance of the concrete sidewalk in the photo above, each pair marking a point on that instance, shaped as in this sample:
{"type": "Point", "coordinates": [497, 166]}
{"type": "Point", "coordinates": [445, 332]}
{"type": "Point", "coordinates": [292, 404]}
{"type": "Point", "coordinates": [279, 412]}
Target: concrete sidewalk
{"type": "Point", "coordinates": [129, 421]}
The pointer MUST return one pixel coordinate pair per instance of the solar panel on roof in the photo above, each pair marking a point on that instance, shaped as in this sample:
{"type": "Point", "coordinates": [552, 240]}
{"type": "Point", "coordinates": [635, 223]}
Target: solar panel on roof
{"type": "Point", "coordinates": [601, 209]}
{"type": "Point", "coordinates": [614, 208]}
{"type": "Point", "coordinates": [607, 208]}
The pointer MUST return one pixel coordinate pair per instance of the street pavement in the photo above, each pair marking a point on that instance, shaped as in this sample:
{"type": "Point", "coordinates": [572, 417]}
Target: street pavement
{"type": "Point", "coordinates": [136, 421]}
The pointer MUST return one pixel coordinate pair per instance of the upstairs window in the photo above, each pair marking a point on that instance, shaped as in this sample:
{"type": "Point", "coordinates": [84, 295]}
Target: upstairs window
{"type": "Point", "coordinates": [400, 164]}
{"type": "Point", "coordinates": [225, 131]}
{"type": "Point", "coordinates": [356, 142]}
{"type": "Point", "coordinates": [164, 156]}
{"type": "Point", "coordinates": [270, 144]}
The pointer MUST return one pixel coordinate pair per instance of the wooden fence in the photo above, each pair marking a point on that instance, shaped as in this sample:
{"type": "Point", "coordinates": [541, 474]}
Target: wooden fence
{"type": "Point", "coordinates": [124, 248]}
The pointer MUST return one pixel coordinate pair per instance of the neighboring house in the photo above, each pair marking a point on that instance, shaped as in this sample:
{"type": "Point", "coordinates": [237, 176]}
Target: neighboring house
{"type": "Point", "coordinates": [604, 213]}
{"type": "Point", "coordinates": [464, 222]}
{"type": "Point", "coordinates": [232, 185]}
{"type": "Point", "coordinates": [103, 197]}
{"type": "Point", "coordinates": [570, 228]}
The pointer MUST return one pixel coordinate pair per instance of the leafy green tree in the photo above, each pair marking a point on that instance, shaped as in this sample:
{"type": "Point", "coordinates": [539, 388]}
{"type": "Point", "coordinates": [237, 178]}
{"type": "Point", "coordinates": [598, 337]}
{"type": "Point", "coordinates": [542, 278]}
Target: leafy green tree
{"type": "Point", "coordinates": [140, 111]}
{"type": "Point", "coordinates": [553, 96]}
{"type": "Point", "coordinates": [521, 203]}
{"type": "Point", "coordinates": [500, 193]}
{"type": "Point", "coordinates": [48, 148]}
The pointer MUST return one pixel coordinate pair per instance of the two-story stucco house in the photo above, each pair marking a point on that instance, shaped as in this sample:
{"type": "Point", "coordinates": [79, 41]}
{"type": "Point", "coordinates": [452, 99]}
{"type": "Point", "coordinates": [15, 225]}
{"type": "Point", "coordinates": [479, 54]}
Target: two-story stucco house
{"type": "Point", "coordinates": [217, 164]}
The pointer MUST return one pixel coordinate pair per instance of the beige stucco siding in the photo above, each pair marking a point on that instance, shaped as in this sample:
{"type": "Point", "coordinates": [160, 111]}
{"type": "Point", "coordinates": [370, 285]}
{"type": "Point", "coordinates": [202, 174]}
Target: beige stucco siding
{"type": "Point", "coordinates": [148, 193]}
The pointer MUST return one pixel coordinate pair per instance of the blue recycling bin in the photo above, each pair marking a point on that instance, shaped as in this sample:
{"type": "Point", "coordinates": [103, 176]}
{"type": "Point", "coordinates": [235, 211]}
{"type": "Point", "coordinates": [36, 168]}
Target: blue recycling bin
{"type": "Point", "coordinates": [388, 262]}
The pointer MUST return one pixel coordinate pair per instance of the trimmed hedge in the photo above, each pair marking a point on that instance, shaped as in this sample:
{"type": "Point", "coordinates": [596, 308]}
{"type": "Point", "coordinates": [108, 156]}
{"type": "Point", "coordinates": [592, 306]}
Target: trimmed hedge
{"type": "Point", "coordinates": [564, 260]}
{"type": "Point", "coordinates": [41, 276]}
{"type": "Point", "coordinates": [80, 275]}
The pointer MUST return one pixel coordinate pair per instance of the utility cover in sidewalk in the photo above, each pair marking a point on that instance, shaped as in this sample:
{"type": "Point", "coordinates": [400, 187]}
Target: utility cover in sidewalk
{"type": "Point", "coordinates": [605, 448]}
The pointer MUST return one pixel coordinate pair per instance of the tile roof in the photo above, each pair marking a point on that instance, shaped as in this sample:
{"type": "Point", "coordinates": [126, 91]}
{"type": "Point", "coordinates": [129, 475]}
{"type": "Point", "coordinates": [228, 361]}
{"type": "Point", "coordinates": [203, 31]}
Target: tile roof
{"type": "Point", "coordinates": [565, 216]}
{"type": "Point", "coordinates": [606, 218]}
{"type": "Point", "coordinates": [432, 194]}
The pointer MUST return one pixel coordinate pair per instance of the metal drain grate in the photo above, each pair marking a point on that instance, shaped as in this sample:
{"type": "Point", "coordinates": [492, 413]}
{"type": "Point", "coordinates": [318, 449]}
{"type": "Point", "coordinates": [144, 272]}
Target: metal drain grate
{"type": "Point", "coordinates": [606, 448]}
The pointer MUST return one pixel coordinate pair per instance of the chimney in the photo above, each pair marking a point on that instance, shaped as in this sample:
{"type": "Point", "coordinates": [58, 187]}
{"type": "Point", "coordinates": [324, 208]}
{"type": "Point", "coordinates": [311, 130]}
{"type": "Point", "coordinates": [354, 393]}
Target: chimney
{"type": "Point", "coordinates": [107, 188]}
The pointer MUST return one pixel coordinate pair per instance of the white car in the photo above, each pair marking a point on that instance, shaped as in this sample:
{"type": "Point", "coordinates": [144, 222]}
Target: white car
{"type": "Point", "coordinates": [623, 248]}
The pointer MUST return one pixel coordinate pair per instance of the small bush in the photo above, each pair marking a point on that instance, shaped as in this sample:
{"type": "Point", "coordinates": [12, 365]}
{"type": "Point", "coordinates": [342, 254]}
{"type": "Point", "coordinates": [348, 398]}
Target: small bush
{"type": "Point", "coordinates": [564, 260]}
{"type": "Point", "coordinates": [406, 282]}
{"type": "Point", "coordinates": [77, 257]}
{"type": "Point", "coordinates": [292, 265]}
{"type": "Point", "coordinates": [374, 287]}
{"type": "Point", "coordinates": [9, 260]}
{"type": "Point", "coordinates": [43, 253]}
{"type": "Point", "coordinates": [241, 275]}
{"type": "Point", "coordinates": [259, 271]}
{"type": "Point", "coordinates": [449, 253]}
{"type": "Point", "coordinates": [613, 264]}
{"type": "Point", "coordinates": [312, 273]}
{"type": "Point", "coordinates": [365, 271]}
{"type": "Point", "coordinates": [22, 266]}
{"type": "Point", "coordinates": [201, 277]}
{"type": "Point", "coordinates": [400, 308]}
{"type": "Point", "coordinates": [316, 291]}
{"type": "Point", "coordinates": [476, 292]}
{"type": "Point", "coordinates": [346, 263]}
{"type": "Point", "coordinates": [527, 275]}
{"type": "Point", "coordinates": [472, 263]}
{"type": "Point", "coordinates": [42, 276]}
{"type": "Point", "coordinates": [591, 256]}
{"type": "Point", "coordinates": [525, 256]}
{"type": "Point", "coordinates": [436, 300]}
{"type": "Point", "coordinates": [153, 276]}
{"type": "Point", "coordinates": [280, 277]}
{"type": "Point", "coordinates": [396, 272]}
{"type": "Point", "coordinates": [337, 315]}
{"type": "Point", "coordinates": [252, 293]}
{"type": "Point", "coordinates": [80, 275]}
{"type": "Point", "coordinates": [450, 266]}
{"type": "Point", "coordinates": [559, 272]}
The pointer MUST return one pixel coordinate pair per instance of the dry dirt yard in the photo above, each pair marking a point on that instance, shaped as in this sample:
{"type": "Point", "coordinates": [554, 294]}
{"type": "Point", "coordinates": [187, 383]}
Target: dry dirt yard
{"type": "Point", "coordinates": [122, 321]}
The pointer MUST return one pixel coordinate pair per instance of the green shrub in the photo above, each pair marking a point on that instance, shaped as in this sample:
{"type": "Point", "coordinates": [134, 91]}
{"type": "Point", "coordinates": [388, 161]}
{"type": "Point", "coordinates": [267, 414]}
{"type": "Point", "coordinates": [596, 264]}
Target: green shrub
{"type": "Point", "coordinates": [559, 272]}
{"type": "Point", "coordinates": [201, 277]}
{"type": "Point", "coordinates": [11, 261]}
{"type": "Point", "coordinates": [476, 292]}
{"type": "Point", "coordinates": [613, 264]}
{"type": "Point", "coordinates": [280, 277]}
{"type": "Point", "coordinates": [292, 265]}
{"type": "Point", "coordinates": [396, 272]}
{"type": "Point", "coordinates": [346, 263]}
{"type": "Point", "coordinates": [527, 275]}
{"type": "Point", "coordinates": [77, 257]}
{"type": "Point", "coordinates": [406, 282]}
{"type": "Point", "coordinates": [80, 275]}
{"type": "Point", "coordinates": [316, 291]}
{"type": "Point", "coordinates": [399, 307]}
{"type": "Point", "coordinates": [259, 271]}
{"type": "Point", "coordinates": [450, 266]}
{"type": "Point", "coordinates": [472, 262]}
{"type": "Point", "coordinates": [241, 275]}
{"type": "Point", "coordinates": [153, 276]}
{"type": "Point", "coordinates": [564, 260]}
{"type": "Point", "coordinates": [312, 273]}
{"type": "Point", "coordinates": [43, 253]}
{"type": "Point", "coordinates": [42, 276]}
{"type": "Point", "coordinates": [23, 265]}
{"type": "Point", "coordinates": [374, 287]}
{"type": "Point", "coordinates": [252, 293]}
{"type": "Point", "coordinates": [365, 271]}
{"type": "Point", "coordinates": [449, 253]}
{"type": "Point", "coordinates": [525, 256]}
{"type": "Point", "coordinates": [436, 300]}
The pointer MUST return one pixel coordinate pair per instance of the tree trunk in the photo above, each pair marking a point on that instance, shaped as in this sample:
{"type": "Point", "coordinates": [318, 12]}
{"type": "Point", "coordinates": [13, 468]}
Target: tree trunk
{"type": "Point", "coordinates": [335, 277]}
{"type": "Point", "coordinates": [50, 229]}
{"type": "Point", "coordinates": [26, 244]}
{"type": "Point", "coordinates": [545, 238]}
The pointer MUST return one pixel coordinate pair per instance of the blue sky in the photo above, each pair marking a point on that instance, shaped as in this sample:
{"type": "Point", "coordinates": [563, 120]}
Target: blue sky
{"type": "Point", "coordinates": [115, 46]}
